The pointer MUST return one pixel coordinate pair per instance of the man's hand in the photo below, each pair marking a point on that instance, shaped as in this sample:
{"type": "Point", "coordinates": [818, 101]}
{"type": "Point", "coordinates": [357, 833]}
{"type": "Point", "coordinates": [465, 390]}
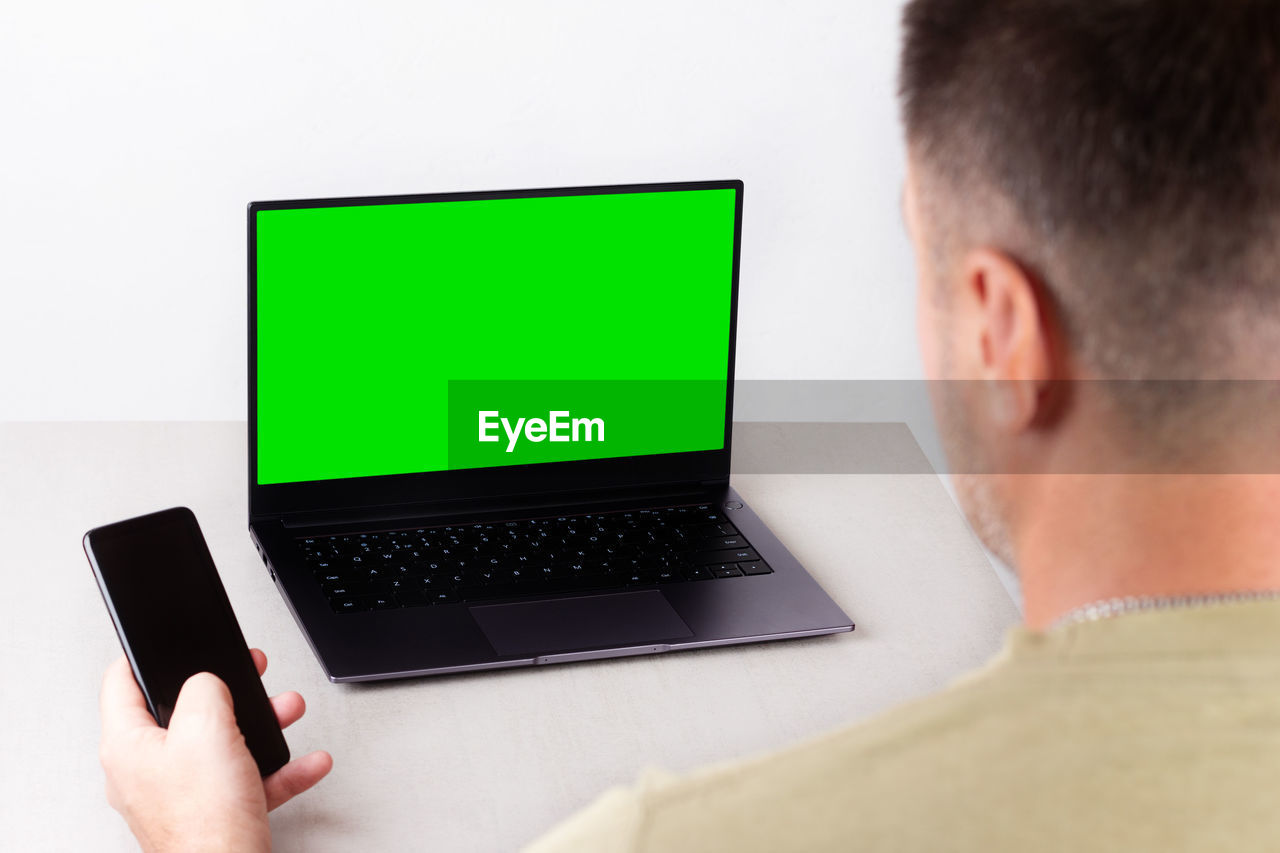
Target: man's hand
{"type": "Point", "coordinates": [194, 785]}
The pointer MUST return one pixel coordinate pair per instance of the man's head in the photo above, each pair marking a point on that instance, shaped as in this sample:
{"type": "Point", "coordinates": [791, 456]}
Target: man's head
{"type": "Point", "coordinates": [1094, 193]}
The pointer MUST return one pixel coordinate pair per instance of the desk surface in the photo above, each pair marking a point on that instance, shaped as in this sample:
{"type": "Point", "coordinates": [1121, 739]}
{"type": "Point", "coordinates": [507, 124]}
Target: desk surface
{"type": "Point", "coordinates": [481, 761]}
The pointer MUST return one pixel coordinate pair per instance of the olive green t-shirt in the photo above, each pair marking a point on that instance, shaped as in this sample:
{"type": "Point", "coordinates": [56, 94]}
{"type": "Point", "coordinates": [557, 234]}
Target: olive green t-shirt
{"type": "Point", "coordinates": [1148, 731]}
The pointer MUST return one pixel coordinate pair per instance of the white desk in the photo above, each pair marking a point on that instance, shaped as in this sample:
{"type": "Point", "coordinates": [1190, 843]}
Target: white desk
{"type": "Point", "coordinates": [473, 762]}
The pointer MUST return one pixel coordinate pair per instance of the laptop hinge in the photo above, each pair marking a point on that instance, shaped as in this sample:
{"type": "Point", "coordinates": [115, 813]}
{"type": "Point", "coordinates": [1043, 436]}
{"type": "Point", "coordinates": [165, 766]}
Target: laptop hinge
{"type": "Point", "coordinates": [488, 507]}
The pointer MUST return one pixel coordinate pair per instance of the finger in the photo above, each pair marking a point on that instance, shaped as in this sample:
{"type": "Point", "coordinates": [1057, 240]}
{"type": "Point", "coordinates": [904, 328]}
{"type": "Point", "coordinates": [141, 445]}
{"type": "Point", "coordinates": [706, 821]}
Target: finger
{"type": "Point", "coordinates": [204, 701]}
{"type": "Point", "coordinates": [123, 705]}
{"type": "Point", "coordinates": [259, 660]}
{"type": "Point", "coordinates": [295, 777]}
{"type": "Point", "coordinates": [289, 708]}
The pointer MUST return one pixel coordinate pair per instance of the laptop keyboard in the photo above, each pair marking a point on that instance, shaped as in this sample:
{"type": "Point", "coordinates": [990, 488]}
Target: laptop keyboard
{"type": "Point", "coordinates": [501, 559]}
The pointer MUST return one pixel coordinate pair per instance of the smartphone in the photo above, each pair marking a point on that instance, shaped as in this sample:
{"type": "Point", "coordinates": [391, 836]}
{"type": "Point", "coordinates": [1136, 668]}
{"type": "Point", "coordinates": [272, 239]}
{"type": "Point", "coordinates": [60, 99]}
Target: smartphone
{"type": "Point", "coordinates": [173, 618]}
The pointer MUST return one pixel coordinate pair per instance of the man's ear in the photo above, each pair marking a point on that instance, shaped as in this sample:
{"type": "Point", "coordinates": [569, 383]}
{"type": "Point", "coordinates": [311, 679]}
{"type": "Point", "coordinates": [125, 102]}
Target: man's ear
{"type": "Point", "coordinates": [1012, 337]}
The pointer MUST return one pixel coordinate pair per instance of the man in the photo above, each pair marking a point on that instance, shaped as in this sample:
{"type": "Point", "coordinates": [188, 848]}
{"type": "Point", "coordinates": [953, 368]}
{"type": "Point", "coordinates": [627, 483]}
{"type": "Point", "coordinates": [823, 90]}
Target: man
{"type": "Point", "coordinates": [1094, 194]}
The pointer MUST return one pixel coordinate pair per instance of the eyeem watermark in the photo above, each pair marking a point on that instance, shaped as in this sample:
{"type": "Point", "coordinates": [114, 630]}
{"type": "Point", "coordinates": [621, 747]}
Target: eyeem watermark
{"type": "Point", "coordinates": [558, 426]}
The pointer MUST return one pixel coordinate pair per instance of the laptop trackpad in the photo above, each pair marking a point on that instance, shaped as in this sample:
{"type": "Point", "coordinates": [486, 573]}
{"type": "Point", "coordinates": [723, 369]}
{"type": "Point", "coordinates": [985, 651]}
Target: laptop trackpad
{"type": "Point", "coordinates": [621, 619]}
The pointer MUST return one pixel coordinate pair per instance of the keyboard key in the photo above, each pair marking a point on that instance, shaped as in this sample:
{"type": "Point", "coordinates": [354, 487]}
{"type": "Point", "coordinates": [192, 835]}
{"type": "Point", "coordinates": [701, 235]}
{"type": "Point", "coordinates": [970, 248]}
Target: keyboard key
{"type": "Point", "coordinates": [723, 542]}
{"type": "Point", "coordinates": [350, 604]}
{"type": "Point", "coordinates": [573, 584]}
{"type": "Point", "coordinates": [346, 590]}
{"type": "Point", "coordinates": [755, 567]}
{"type": "Point", "coordinates": [738, 555]}
{"type": "Point", "coordinates": [505, 590]}
{"type": "Point", "coordinates": [471, 591]}
{"type": "Point", "coordinates": [411, 598]}
{"type": "Point", "coordinates": [727, 573]}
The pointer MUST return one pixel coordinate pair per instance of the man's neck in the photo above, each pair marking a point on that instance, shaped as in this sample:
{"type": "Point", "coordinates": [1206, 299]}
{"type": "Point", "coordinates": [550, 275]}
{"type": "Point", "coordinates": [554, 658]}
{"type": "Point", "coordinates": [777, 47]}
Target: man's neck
{"type": "Point", "coordinates": [1086, 538]}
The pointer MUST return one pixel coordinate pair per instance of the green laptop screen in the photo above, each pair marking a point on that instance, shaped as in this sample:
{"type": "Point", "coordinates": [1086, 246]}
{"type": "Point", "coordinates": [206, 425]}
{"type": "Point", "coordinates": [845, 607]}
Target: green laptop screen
{"type": "Point", "coordinates": [430, 336]}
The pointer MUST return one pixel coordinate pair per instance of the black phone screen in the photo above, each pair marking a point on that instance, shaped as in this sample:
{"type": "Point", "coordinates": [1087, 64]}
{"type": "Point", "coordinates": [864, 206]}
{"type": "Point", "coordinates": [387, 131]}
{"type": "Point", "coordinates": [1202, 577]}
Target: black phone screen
{"type": "Point", "coordinates": [174, 620]}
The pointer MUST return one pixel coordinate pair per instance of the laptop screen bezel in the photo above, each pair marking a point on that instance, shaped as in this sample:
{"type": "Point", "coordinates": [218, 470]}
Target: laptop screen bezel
{"type": "Point", "coordinates": [440, 488]}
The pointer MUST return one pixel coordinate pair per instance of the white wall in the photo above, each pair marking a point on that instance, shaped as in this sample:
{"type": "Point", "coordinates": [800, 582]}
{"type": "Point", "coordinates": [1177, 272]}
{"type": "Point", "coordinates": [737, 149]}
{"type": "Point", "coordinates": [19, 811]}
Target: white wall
{"type": "Point", "coordinates": [134, 133]}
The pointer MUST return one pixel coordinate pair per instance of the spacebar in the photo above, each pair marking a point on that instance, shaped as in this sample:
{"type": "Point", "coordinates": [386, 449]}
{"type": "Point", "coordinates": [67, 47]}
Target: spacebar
{"type": "Point", "coordinates": [551, 585]}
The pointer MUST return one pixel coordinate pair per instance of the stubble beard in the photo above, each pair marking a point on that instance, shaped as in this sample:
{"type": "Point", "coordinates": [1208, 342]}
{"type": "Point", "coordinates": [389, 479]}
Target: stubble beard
{"type": "Point", "coordinates": [973, 470]}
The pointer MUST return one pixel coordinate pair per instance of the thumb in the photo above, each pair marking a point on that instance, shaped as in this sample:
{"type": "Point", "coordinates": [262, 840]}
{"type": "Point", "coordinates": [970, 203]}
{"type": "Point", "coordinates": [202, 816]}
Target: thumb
{"type": "Point", "coordinates": [203, 703]}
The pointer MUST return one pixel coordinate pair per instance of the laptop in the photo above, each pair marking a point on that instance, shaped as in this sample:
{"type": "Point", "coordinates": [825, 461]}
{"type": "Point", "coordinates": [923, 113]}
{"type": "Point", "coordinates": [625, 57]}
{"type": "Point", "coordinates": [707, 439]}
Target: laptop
{"type": "Point", "coordinates": [493, 429]}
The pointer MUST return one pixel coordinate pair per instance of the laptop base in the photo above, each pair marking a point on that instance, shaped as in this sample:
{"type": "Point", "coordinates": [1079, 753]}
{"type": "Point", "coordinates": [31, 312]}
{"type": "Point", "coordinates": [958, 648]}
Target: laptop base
{"type": "Point", "coordinates": [556, 627]}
